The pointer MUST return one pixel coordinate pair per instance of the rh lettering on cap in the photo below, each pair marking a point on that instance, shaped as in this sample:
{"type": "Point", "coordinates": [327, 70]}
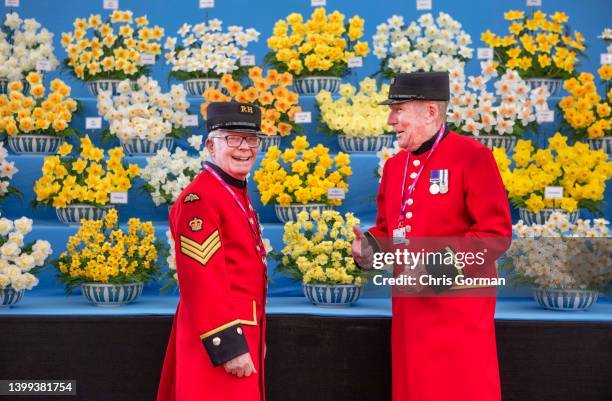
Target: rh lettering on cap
{"type": "Point", "coordinates": [246, 109]}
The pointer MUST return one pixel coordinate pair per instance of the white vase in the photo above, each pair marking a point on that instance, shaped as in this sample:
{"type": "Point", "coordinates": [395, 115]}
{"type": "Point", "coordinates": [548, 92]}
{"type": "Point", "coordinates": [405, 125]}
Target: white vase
{"type": "Point", "coordinates": [364, 144]}
{"type": "Point", "coordinates": [146, 147]}
{"type": "Point", "coordinates": [102, 85]}
{"type": "Point", "coordinates": [9, 297]}
{"type": "Point", "coordinates": [197, 86]}
{"type": "Point", "coordinates": [313, 85]}
{"type": "Point", "coordinates": [565, 300]}
{"type": "Point", "coordinates": [542, 216]}
{"type": "Point", "coordinates": [332, 295]}
{"type": "Point", "coordinates": [72, 214]}
{"type": "Point", "coordinates": [498, 141]}
{"type": "Point", "coordinates": [268, 141]}
{"type": "Point", "coordinates": [111, 294]}
{"type": "Point", "coordinates": [553, 85]}
{"type": "Point", "coordinates": [35, 144]}
{"type": "Point", "coordinates": [290, 212]}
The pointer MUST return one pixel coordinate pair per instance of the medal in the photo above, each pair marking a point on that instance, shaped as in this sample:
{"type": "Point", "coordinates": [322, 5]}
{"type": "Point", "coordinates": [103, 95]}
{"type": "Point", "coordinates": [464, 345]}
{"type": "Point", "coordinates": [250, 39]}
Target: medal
{"type": "Point", "coordinates": [434, 189]}
{"type": "Point", "coordinates": [443, 181]}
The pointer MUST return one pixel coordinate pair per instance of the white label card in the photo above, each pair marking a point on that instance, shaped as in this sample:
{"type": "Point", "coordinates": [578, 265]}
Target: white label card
{"type": "Point", "coordinates": [190, 120]}
{"type": "Point", "coordinates": [247, 60]}
{"type": "Point", "coordinates": [355, 62]}
{"type": "Point", "coordinates": [93, 122]}
{"type": "Point", "coordinates": [303, 117]}
{"type": "Point", "coordinates": [318, 3]}
{"type": "Point", "coordinates": [553, 193]}
{"type": "Point", "coordinates": [207, 3]}
{"type": "Point", "coordinates": [43, 65]}
{"type": "Point", "coordinates": [336, 193]}
{"type": "Point", "coordinates": [147, 59]}
{"type": "Point", "coordinates": [545, 116]}
{"type": "Point", "coordinates": [484, 53]}
{"type": "Point", "coordinates": [423, 5]}
{"type": "Point", "coordinates": [119, 198]}
{"type": "Point", "coordinates": [534, 3]}
{"type": "Point", "coordinates": [110, 4]}
{"type": "Point", "coordinates": [605, 58]}
{"type": "Point", "coordinates": [11, 3]}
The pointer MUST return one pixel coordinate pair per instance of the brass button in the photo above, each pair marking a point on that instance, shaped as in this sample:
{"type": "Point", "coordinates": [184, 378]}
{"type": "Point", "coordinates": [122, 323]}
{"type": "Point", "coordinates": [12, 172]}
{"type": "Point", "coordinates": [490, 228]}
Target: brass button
{"type": "Point", "coordinates": [410, 201]}
{"type": "Point", "coordinates": [409, 215]}
{"type": "Point", "coordinates": [216, 341]}
{"type": "Point", "coordinates": [239, 330]}
{"type": "Point", "coordinates": [416, 163]}
{"type": "Point", "coordinates": [413, 175]}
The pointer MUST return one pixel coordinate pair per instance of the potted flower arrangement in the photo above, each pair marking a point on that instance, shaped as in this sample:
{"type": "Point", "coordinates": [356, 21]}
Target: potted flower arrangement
{"type": "Point", "coordinates": [167, 174]}
{"type": "Point", "coordinates": [142, 117]}
{"type": "Point", "coordinates": [542, 49]}
{"type": "Point", "coordinates": [80, 187]}
{"type": "Point", "coordinates": [7, 170]}
{"type": "Point", "coordinates": [567, 264]}
{"type": "Point", "coordinates": [316, 51]}
{"type": "Point", "coordinates": [35, 124]}
{"type": "Point", "coordinates": [606, 35]}
{"type": "Point", "coordinates": [318, 253]}
{"type": "Point", "coordinates": [109, 263]}
{"type": "Point", "coordinates": [270, 92]}
{"type": "Point", "coordinates": [426, 44]}
{"type": "Point", "coordinates": [356, 118]}
{"type": "Point", "coordinates": [385, 154]}
{"type": "Point", "coordinates": [585, 113]}
{"type": "Point", "coordinates": [23, 45]}
{"type": "Point", "coordinates": [579, 171]}
{"type": "Point", "coordinates": [205, 53]}
{"type": "Point", "coordinates": [103, 53]}
{"type": "Point", "coordinates": [19, 263]}
{"type": "Point", "coordinates": [300, 178]}
{"type": "Point", "coordinates": [496, 119]}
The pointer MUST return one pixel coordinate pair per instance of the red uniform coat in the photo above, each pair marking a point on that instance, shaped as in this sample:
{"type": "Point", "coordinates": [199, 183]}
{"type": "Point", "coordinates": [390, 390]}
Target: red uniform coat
{"type": "Point", "coordinates": [222, 281]}
{"type": "Point", "coordinates": [443, 348]}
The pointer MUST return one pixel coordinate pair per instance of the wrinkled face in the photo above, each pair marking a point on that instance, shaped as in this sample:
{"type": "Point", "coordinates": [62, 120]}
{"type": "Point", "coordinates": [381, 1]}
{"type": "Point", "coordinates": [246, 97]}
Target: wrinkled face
{"type": "Point", "coordinates": [409, 120]}
{"type": "Point", "coordinates": [235, 161]}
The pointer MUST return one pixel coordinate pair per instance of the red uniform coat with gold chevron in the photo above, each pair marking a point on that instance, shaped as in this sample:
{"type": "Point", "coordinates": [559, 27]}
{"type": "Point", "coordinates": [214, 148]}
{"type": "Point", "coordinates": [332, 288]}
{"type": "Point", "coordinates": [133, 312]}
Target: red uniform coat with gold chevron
{"type": "Point", "coordinates": [444, 348]}
{"type": "Point", "coordinates": [222, 281]}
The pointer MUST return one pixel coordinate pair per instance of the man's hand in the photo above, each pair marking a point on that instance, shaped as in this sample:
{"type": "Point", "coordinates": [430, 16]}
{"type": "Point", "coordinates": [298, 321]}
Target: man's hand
{"type": "Point", "coordinates": [361, 250]}
{"type": "Point", "coordinates": [240, 366]}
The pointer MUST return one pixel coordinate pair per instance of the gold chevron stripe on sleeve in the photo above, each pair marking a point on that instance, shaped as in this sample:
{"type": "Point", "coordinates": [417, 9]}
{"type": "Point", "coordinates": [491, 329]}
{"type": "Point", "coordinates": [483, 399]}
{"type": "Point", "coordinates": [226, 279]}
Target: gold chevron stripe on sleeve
{"type": "Point", "coordinates": [196, 245]}
{"type": "Point", "coordinates": [202, 258]}
{"type": "Point", "coordinates": [201, 252]}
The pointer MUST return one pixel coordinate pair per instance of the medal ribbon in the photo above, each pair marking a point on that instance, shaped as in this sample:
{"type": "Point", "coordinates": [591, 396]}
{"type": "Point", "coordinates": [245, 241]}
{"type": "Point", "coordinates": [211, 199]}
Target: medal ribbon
{"type": "Point", "coordinates": [412, 186]}
{"type": "Point", "coordinates": [253, 223]}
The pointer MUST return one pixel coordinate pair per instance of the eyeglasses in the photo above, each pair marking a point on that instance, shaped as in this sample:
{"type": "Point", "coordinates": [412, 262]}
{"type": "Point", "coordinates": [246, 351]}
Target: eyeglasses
{"type": "Point", "coordinates": [234, 141]}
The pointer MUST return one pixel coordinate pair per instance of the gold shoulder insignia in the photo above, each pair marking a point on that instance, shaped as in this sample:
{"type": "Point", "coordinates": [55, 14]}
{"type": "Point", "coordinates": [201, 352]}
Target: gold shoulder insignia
{"type": "Point", "coordinates": [196, 224]}
{"type": "Point", "coordinates": [201, 252]}
{"type": "Point", "coordinates": [191, 198]}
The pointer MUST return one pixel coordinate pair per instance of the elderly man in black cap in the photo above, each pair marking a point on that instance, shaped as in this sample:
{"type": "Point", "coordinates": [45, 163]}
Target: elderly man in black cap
{"type": "Point", "coordinates": [216, 347]}
{"type": "Point", "coordinates": [442, 193]}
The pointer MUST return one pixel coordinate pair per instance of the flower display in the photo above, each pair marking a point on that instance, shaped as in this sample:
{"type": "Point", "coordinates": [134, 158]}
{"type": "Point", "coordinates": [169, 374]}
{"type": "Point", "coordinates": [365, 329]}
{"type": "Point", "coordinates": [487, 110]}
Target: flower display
{"type": "Point", "coordinates": [86, 179]}
{"type": "Point", "coordinates": [7, 171]}
{"type": "Point", "coordinates": [23, 44]}
{"type": "Point", "coordinates": [143, 111]}
{"type": "Point", "coordinates": [538, 47]}
{"type": "Point", "coordinates": [581, 172]}
{"type": "Point", "coordinates": [559, 254]}
{"type": "Point", "coordinates": [32, 113]}
{"type": "Point", "coordinates": [110, 49]}
{"type": "Point", "coordinates": [584, 110]}
{"type": "Point", "coordinates": [321, 45]}
{"type": "Point", "coordinates": [205, 51]}
{"type": "Point", "coordinates": [278, 104]}
{"type": "Point", "coordinates": [426, 44]}
{"type": "Point", "coordinates": [318, 249]}
{"type": "Point", "coordinates": [102, 252]}
{"type": "Point", "coordinates": [167, 174]}
{"type": "Point", "coordinates": [301, 174]}
{"type": "Point", "coordinates": [606, 35]}
{"type": "Point", "coordinates": [385, 154]}
{"type": "Point", "coordinates": [508, 111]}
{"type": "Point", "coordinates": [20, 262]}
{"type": "Point", "coordinates": [355, 113]}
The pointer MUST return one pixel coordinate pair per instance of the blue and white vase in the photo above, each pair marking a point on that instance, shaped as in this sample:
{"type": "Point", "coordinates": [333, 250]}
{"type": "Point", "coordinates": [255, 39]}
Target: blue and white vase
{"type": "Point", "coordinates": [4, 86]}
{"type": "Point", "coordinates": [604, 144]}
{"type": "Point", "coordinates": [565, 300]}
{"type": "Point", "coordinates": [102, 85]}
{"type": "Point", "coordinates": [332, 295]}
{"type": "Point", "coordinates": [145, 147]}
{"type": "Point", "coordinates": [9, 297]}
{"type": "Point", "coordinates": [553, 85]}
{"type": "Point", "coordinates": [542, 216]}
{"type": "Point", "coordinates": [313, 85]}
{"type": "Point", "coordinates": [111, 294]}
{"type": "Point", "coordinates": [290, 212]}
{"type": "Point", "coordinates": [197, 87]}
{"type": "Point", "coordinates": [72, 214]}
{"type": "Point", "coordinates": [361, 144]}
{"type": "Point", "coordinates": [268, 141]}
{"type": "Point", "coordinates": [498, 141]}
{"type": "Point", "coordinates": [35, 144]}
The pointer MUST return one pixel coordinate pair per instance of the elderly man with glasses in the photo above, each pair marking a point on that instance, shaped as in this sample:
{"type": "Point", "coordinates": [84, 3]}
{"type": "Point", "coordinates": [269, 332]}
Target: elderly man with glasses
{"type": "Point", "coordinates": [216, 347]}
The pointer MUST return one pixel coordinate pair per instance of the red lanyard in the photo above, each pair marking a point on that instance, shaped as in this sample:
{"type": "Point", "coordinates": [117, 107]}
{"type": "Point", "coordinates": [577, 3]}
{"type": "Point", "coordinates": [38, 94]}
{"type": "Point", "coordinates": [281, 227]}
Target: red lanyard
{"type": "Point", "coordinates": [253, 223]}
{"type": "Point", "coordinates": [412, 186]}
